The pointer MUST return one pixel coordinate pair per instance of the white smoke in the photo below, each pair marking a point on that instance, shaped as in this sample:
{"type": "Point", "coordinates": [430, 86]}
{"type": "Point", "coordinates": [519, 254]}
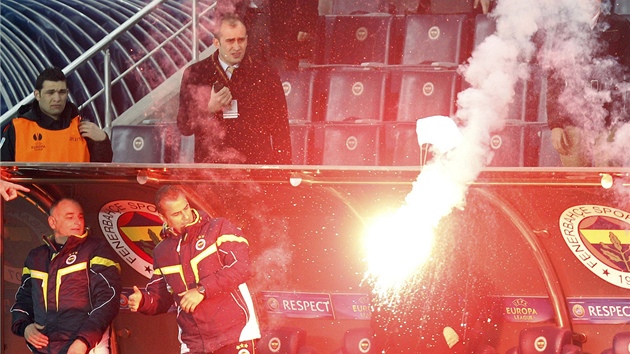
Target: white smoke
{"type": "Point", "coordinates": [551, 34]}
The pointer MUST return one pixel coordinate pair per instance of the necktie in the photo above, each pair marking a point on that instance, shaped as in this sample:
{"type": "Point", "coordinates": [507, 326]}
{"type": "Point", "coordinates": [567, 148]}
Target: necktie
{"type": "Point", "coordinates": [229, 70]}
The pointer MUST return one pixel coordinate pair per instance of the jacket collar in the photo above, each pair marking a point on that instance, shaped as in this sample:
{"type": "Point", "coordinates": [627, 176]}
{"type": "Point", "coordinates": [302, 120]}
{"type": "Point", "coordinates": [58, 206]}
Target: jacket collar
{"type": "Point", "coordinates": [168, 231]}
{"type": "Point", "coordinates": [70, 243]}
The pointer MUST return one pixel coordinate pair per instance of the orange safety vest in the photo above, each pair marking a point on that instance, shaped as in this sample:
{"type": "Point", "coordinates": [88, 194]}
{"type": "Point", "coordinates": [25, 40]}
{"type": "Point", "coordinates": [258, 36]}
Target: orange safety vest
{"type": "Point", "coordinates": [36, 144]}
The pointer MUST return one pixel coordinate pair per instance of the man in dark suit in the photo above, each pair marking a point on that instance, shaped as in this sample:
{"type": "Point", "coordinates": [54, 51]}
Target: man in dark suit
{"type": "Point", "coordinates": [234, 104]}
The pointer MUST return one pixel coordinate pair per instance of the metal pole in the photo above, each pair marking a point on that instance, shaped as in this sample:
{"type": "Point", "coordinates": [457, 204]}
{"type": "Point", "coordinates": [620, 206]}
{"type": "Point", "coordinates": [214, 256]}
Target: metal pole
{"type": "Point", "coordinates": [195, 26]}
{"type": "Point", "coordinates": [107, 73]}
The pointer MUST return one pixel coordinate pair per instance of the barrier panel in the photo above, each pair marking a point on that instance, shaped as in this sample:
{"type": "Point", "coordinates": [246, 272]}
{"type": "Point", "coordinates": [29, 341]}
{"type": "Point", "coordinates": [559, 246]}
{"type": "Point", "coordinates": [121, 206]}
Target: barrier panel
{"type": "Point", "coordinates": [528, 249]}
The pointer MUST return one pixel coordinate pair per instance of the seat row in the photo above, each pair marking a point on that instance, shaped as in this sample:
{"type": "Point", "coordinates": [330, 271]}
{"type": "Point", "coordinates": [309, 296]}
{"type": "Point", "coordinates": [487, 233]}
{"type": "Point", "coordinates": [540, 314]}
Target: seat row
{"type": "Point", "coordinates": [360, 94]}
{"type": "Point", "coordinates": [343, 144]}
{"type": "Point", "coordinates": [414, 39]}
{"type": "Point", "coordinates": [534, 340]}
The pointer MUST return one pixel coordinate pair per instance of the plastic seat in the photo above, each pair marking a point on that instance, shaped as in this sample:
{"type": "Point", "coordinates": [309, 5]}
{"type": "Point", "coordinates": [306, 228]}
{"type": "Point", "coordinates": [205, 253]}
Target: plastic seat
{"type": "Point", "coordinates": [507, 146]}
{"type": "Point", "coordinates": [441, 39]}
{"type": "Point", "coordinates": [351, 144]}
{"type": "Point", "coordinates": [351, 94]}
{"type": "Point", "coordinates": [621, 344]}
{"type": "Point", "coordinates": [159, 143]}
{"type": "Point", "coordinates": [414, 143]}
{"type": "Point", "coordinates": [401, 145]}
{"type": "Point", "coordinates": [451, 6]}
{"type": "Point", "coordinates": [357, 341]}
{"type": "Point", "coordinates": [484, 27]}
{"type": "Point", "coordinates": [300, 140]}
{"type": "Point", "coordinates": [354, 40]}
{"type": "Point", "coordinates": [622, 7]}
{"type": "Point", "coordinates": [298, 90]}
{"type": "Point", "coordinates": [545, 340]}
{"type": "Point", "coordinates": [548, 156]}
{"type": "Point", "coordinates": [423, 92]}
{"type": "Point", "coordinates": [349, 7]}
{"type": "Point", "coordinates": [283, 340]}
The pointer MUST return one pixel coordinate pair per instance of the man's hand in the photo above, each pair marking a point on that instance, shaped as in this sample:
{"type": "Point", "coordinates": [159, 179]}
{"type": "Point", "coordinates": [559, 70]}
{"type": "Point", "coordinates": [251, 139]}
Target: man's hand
{"type": "Point", "coordinates": [560, 141]}
{"type": "Point", "coordinates": [9, 190]}
{"type": "Point", "coordinates": [91, 131]}
{"type": "Point", "coordinates": [485, 5]}
{"type": "Point", "coordinates": [190, 299]}
{"type": "Point", "coordinates": [78, 347]}
{"type": "Point", "coordinates": [33, 335]}
{"type": "Point", "coordinates": [220, 99]}
{"type": "Point", "coordinates": [135, 299]}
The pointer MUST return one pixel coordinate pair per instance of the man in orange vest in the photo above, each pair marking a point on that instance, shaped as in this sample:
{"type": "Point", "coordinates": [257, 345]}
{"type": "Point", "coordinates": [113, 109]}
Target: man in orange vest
{"type": "Point", "coordinates": [51, 130]}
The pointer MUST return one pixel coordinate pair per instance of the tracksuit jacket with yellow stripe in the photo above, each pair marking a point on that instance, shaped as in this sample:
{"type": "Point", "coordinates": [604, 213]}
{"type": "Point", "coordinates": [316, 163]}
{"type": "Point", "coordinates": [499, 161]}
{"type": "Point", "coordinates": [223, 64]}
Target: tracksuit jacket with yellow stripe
{"type": "Point", "coordinates": [73, 292]}
{"type": "Point", "coordinates": [214, 253]}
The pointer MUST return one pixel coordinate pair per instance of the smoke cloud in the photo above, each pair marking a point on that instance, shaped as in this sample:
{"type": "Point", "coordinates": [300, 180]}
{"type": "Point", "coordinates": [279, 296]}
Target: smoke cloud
{"type": "Point", "coordinates": [552, 35]}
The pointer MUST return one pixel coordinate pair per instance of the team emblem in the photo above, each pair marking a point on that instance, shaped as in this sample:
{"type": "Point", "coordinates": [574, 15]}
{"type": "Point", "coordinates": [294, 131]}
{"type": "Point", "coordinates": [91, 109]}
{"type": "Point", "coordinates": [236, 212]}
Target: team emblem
{"type": "Point", "coordinates": [357, 88]}
{"type": "Point", "coordinates": [598, 236]}
{"type": "Point", "coordinates": [434, 32]}
{"type": "Point", "coordinates": [578, 310]}
{"type": "Point", "coordinates": [71, 259]}
{"type": "Point", "coordinates": [275, 344]}
{"type": "Point", "coordinates": [200, 244]}
{"type": "Point", "coordinates": [364, 345]}
{"type": "Point", "coordinates": [352, 142]}
{"type": "Point", "coordinates": [540, 344]}
{"type": "Point", "coordinates": [361, 34]}
{"type": "Point", "coordinates": [132, 229]}
{"type": "Point", "coordinates": [286, 86]}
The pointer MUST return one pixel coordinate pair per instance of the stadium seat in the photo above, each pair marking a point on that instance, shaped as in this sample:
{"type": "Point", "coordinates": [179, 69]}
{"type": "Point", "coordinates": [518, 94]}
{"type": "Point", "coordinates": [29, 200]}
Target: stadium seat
{"type": "Point", "coordinates": [621, 344]}
{"type": "Point", "coordinates": [622, 7]}
{"type": "Point", "coordinates": [507, 147]}
{"type": "Point", "coordinates": [548, 156]}
{"type": "Point", "coordinates": [516, 145]}
{"type": "Point", "coordinates": [484, 27]}
{"type": "Point", "coordinates": [438, 39]}
{"type": "Point", "coordinates": [545, 340]}
{"type": "Point", "coordinates": [451, 6]}
{"type": "Point", "coordinates": [350, 7]}
{"type": "Point", "coordinates": [358, 39]}
{"type": "Point", "coordinates": [156, 143]}
{"type": "Point", "coordinates": [422, 92]}
{"type": "Point", "coordinates": [401, 145]}
{"type": "Point", "coordinates": [301, 133]}
{"type": "Point", "coordinates": [351, 94]}
{"type": "Point", "coordinates": [346, 144]}
{"type": "Point", "coordinates": [298, 89]}
{"type": "Point", "coordinates": [284, 340]}
{"type": "Point", "coordinates": [357, 341]}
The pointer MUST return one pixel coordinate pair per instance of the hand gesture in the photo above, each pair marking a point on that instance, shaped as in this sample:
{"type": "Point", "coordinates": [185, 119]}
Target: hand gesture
{"type": "Point", "coordinates": [560, 141]}
{"type": "Point", "coordinates": [33, 335]}
{"type": "Point", "coordinates": [78, 347]}
{"type": "Point", "coordinates": [220, 99]}
{"type": "Point", "coordinates": [9, 190]}
{"type": "Point", "coordinates": [135, 299]}
{"type": "Point", "coordinates": [485, 5]}
{"type": "Point", "coordinates": [190, 299]}
{"type": "Point", "coordinates": [91, 131]}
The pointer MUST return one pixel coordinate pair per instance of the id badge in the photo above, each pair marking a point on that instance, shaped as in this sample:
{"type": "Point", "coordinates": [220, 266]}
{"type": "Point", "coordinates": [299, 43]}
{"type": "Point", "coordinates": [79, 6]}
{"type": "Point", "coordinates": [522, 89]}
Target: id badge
{"type": "Point", "coordinates": [231, 112]}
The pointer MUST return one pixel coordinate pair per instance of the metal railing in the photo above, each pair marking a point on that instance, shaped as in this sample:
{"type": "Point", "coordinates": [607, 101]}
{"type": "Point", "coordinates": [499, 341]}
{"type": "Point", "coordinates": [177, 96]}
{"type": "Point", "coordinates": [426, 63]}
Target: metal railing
{"type": "Point", "coordinates": [103, 47]}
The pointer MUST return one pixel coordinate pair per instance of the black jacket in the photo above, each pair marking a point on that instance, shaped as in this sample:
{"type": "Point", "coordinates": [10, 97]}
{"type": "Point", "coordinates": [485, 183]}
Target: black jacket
{"type": "Point", "coordinates": [260, 134]}
{"type": "Point", "coordinates": [81, 286]}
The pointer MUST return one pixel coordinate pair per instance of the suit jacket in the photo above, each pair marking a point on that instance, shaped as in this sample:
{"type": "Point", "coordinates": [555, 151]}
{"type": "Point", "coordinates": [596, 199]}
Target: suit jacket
{"type": "Point", "coordinates": [260, 134]}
